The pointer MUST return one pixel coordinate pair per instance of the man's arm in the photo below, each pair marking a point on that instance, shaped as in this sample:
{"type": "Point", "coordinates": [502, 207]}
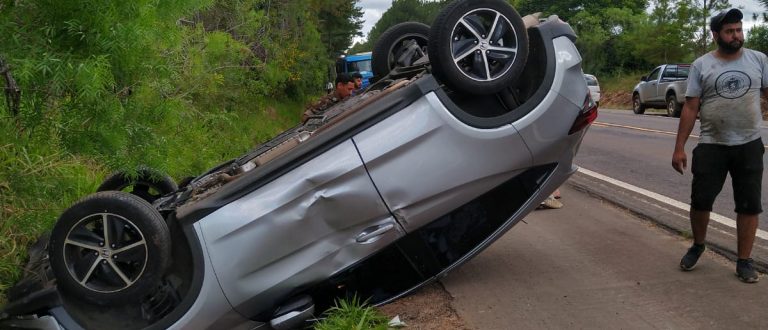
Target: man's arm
{"type": "Point", "coordinates": [684, 129]}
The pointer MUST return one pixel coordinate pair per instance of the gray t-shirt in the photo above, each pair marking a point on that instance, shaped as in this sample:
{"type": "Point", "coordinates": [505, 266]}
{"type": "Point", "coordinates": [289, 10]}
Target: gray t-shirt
{"type": "Point", "coordinates": [730, 96]}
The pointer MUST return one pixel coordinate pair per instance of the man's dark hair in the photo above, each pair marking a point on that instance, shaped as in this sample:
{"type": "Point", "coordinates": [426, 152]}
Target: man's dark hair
{"type": "Point", "coordinates": [357, 75]}
{"type": "Point", "coordinates": [729, 16]}
{"type": "Point", "coordinates": [344, 79]}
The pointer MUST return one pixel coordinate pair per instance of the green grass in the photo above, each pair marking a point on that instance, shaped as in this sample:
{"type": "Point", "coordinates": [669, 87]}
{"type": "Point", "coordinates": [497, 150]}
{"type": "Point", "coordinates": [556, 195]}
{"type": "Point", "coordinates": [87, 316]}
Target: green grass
{"type": "Point", "coordinates": [352, 315]}
{"type": "Point", "coordinates": [620, 82]}
{"type": "Point", "coordinates": [617, 89]}
{"type": "Point", "coordinates": [38, 181]}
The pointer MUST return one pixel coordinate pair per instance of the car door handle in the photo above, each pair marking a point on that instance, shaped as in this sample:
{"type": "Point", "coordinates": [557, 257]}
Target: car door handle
{"type": "Point", "coordinates": [373, 232]}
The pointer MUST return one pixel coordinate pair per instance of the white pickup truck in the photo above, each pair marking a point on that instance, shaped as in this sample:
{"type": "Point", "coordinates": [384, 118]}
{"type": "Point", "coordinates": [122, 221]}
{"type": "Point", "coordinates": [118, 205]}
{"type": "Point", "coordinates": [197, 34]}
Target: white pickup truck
{"type": "Point", "coordinates": [664, 88]}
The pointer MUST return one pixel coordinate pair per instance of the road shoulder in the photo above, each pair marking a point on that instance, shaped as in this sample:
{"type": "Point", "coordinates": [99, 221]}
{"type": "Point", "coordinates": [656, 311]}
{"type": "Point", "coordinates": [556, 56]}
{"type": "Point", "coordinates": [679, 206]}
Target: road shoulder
{"type": "Point", "coordinates": [594, 265]}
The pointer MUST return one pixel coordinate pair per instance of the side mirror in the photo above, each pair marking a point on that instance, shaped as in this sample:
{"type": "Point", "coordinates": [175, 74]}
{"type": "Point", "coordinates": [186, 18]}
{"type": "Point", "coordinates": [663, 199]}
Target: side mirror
{"type": "Point", "coordinates": [643, 78]}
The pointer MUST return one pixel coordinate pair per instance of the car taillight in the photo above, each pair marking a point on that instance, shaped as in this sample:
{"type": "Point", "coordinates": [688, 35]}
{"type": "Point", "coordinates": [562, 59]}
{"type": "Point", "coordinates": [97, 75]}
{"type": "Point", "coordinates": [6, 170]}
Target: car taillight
{"type": "Point", "coordinates": [587, 115]}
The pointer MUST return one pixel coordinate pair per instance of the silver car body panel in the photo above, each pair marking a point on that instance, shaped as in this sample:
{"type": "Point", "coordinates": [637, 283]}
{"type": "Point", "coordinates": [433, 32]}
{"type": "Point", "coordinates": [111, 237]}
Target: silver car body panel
{"type": "Point", "coordinates": [324, 206]}
{"type": "Point", "coordinates": [446, 163]}
{"type": "Point", "coordinates": [544, 128]}
{"type": "Point", "coordinates": [213, 312]}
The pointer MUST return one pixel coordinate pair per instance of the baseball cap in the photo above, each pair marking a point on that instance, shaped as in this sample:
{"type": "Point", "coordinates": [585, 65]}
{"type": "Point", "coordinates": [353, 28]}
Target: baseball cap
{"type": "Point", "coordinates": [732, 15]}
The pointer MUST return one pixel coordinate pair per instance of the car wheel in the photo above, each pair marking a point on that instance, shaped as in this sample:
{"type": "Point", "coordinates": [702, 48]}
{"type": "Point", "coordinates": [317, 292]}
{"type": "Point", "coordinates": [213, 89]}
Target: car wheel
{"type": "Point", "coordinates": [109, 248]}
{"type": "Point", "coordinates": [637, 106]}
{"type": "Point", "coordinates": [673, 107]}
{"type": "Point", "coordinates": [149, 184]}
{"type": "Point", "coordinates": [478, 46]}
{"type": "Point", "coordinates": [400, 46]}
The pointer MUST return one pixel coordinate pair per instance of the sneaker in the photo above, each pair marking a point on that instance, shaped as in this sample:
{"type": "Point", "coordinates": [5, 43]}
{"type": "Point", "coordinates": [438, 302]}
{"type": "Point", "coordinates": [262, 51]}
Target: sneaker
{"type": "Point", "coordinates": [691, 257]}
{"type": "Point", "coordinates": [745, 270]}
{"type": "Point", "coordinates": [551, 203]}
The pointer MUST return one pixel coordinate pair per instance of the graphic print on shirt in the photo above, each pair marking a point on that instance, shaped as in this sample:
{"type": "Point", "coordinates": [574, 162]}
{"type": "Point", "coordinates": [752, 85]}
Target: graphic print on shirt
{"type": "Point", "coordinates": [733, 84]}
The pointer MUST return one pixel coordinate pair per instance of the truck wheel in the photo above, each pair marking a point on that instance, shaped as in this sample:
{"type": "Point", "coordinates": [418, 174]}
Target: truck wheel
{"type": "Point", "coordinates": [478, 46]}
{"type": "Point", "coordinates": [400, 46]}
{"type": "Point", "coordinates": [110, 248]}
{"type": "Point", "coordinates": [149, 184]}
{"type": "Point", "coordinates": [673, 107]}
{"type": "Point", "coordinates": [637, 106]}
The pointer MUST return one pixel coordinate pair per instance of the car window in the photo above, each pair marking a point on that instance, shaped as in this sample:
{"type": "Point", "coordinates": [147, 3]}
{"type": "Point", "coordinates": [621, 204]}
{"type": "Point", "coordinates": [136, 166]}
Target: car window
{"type": "Point", "coordinates": [670, 72]}
{"type": "Point", "coordinates": [654, 74]}
{"type": "Point", "coordinates": [682, 71]}
{"type": "Point", "coordinates": [360, 66]}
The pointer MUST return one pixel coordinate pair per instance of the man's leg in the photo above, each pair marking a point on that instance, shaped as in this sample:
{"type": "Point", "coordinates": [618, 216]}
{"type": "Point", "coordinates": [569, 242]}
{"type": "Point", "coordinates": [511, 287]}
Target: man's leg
{"type": "Point", "coordinates": [709, 170]}
{"type": "Point", "coordinates": [699, 223]}
{"type": "Point", "coordinates": [747, 177]}
{"type": "Point", "coordinates": [746, 227]}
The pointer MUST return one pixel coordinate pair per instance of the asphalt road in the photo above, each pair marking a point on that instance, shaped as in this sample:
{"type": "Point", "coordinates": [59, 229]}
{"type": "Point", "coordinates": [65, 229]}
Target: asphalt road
{"type": "Point", "coordinates": [609, 258]}
{"type": "Point", "coordinates": [637, 149]}
{"type": "Point", "coordinates": [592, 265]}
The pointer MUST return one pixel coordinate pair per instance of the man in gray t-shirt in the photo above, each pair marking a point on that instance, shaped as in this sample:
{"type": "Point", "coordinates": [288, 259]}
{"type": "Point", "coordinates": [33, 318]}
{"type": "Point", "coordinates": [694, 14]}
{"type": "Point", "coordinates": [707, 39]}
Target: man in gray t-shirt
{"type": "Point", "coordinates": [724, 89]}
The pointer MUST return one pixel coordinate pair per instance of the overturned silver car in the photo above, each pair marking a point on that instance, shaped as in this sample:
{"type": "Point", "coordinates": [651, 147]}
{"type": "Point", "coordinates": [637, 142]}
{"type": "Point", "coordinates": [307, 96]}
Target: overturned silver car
{"type": "Point", "coordinates": [472, 123]}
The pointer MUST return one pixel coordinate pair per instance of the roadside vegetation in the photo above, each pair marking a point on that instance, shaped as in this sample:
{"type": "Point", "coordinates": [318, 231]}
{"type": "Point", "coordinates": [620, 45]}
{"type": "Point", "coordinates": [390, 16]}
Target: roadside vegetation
{"type": "Point", "coordinates": [617, 89]}
{"type": "Point", "coordinates": [352, 314]}
{"type": "Point", "coordinates": [179, 86]}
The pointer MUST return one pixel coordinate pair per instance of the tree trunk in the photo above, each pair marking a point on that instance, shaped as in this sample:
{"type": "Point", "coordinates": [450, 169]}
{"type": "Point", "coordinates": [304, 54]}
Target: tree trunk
{"type": "Point", "coordinates": [12, 91]}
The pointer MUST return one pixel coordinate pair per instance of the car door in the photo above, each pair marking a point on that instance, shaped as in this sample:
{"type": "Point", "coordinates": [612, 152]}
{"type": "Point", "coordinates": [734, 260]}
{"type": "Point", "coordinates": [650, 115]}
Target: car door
{"type": "Point", "coordinates": [425, 162]}
{"type": "Point", "coordinates": [299, 229]}
{"type": "Point", "coordinates": [668, 76]}
{"type": "Point", "coordinates": [649, 88]}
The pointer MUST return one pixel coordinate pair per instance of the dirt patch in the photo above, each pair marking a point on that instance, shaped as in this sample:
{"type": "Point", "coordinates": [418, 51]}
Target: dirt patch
{"type": "Point", "coordinates": [429, 308]}
{"type": "Point", "coordinates": [616, 100]}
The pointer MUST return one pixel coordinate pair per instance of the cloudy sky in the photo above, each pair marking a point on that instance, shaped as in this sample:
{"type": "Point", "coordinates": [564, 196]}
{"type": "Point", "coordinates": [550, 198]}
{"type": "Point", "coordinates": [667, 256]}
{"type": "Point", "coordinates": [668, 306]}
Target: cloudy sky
{"type": "Point", "coordinates": [373, 9]}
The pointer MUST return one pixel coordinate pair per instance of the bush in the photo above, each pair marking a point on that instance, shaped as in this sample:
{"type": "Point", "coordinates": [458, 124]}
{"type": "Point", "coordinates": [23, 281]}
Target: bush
{"type": "Point", "coordinates": [353, 315]}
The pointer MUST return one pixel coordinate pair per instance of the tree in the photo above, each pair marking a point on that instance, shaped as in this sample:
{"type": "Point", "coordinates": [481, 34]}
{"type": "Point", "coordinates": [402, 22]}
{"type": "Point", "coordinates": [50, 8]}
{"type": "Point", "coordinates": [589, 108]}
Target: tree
{"type": "Point", "coordinates": [338, 22]}
{"type": "Point", "coordinates": [604, 38]}
{"type": "Point", "coordinates": [401, 11]}
{"type": "Point", "coordinates": [758, 38]}
{"type": "Point", "coordinates": [667, 35]}
{"type": "Point", "coordinates": [702, 10]}
{"type": "Point", "coordinates": [568, 9]}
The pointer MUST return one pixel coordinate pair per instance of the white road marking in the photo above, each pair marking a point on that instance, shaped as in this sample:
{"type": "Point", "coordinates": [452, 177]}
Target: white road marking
{"type": "Point", "coordinates": [602, 124]}
{"type": "Point", "coordinates": [666, 200]}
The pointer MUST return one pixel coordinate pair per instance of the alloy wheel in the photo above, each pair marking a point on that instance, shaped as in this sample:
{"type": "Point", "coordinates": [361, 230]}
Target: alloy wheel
{"type": "Point", "coordinates": [105, 252]}
{"type": "Point", "coordinates": [484, 44]}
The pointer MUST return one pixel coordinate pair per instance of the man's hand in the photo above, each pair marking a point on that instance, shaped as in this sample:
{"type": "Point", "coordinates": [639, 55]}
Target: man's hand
{"type": "Point", "coordinates": [679, 161]}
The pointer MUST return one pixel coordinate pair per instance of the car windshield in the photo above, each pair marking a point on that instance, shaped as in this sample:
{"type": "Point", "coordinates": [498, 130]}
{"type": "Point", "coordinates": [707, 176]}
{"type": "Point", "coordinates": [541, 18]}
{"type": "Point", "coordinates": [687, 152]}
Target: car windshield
{"type": "Point", "coordinates": [360, 66]}
{"type": "Point", "coordinates": [591, 81]}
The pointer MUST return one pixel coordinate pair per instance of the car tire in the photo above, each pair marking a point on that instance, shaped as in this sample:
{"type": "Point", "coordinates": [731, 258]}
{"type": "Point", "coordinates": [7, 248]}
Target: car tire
{"type": "Point", "coordinates": [399, 46]}
{"type": "Point", "coordinates": [673, 107]}
{"type": "Point", "coordinates": [481, 59]}
{"type": "Point", "coordinates": [115, 265]}
{"type": "Point", "coordinates": [148, 184]}
{"type": "Point", "coordinates": [637, 106]}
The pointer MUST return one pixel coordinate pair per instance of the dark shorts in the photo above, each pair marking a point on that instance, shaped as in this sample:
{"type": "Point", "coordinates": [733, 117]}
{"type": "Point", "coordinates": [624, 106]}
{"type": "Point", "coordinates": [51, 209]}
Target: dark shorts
{"type": "Point", "coordinates": [712, 162]}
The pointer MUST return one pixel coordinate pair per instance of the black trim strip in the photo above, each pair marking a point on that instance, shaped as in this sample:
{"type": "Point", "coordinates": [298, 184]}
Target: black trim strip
{"type": "Point", "coordinates": [315, 146]}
